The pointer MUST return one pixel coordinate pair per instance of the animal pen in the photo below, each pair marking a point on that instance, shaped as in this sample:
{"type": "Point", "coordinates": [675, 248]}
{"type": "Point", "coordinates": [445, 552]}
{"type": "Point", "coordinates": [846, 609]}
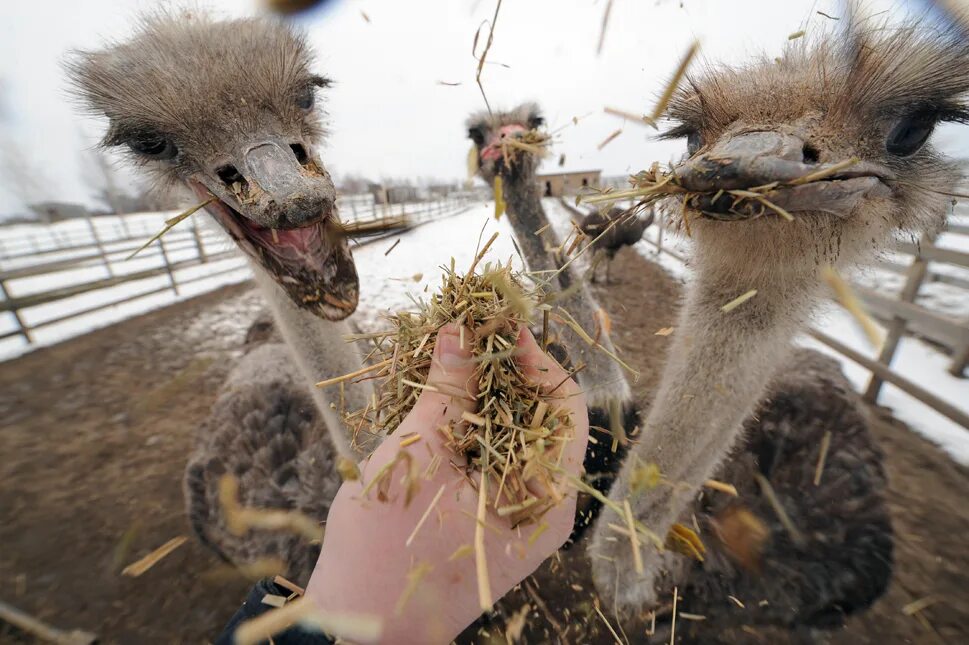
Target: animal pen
{"type": "Point", "coordinates": [45, 266]}
{"type": "Point", "coordinates": [918, 264]}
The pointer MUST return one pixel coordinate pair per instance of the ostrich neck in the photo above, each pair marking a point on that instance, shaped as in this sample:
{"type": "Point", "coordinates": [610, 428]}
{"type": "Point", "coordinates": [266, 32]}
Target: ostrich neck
{"type": "Point", "coordinates": [525, 211]}
{"type": "Point", "coordinates": [320, 351]}
{"type": "Point", "coordinates": [601, 378]}
{"type": "Point", "coordinates": [719, 366]}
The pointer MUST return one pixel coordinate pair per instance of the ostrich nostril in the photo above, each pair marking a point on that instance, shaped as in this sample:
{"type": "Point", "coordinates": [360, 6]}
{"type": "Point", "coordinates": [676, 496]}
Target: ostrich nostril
{"type": "Point", "coordinates": [301, 155]}
{"type": "Point", "coordinates": [810, 154]}
{"type": "Point", "coordinates": [230, 175]}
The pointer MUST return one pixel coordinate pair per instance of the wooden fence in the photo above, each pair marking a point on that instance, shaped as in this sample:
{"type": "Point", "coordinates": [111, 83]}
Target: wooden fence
{"type": "Point", "coordinates": [901, 315]}
{"type": "Point", "coordinates": [85, 247]}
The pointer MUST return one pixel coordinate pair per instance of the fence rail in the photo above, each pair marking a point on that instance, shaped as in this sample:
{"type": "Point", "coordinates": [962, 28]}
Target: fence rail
{"type": "Point", "coordinates": [50, 259]}
{"type": "Point", "coordinates": [902, 315]}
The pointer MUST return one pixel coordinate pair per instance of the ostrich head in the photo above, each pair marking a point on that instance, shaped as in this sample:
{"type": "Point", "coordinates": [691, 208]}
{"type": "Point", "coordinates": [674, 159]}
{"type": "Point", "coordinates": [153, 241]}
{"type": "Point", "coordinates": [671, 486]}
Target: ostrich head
{"type": "Point", "coordinates": [874, 96]}
{"type": "Point", "coordinates": [229, 109]}
{"type": "Point", "coordinates": [487, 131]}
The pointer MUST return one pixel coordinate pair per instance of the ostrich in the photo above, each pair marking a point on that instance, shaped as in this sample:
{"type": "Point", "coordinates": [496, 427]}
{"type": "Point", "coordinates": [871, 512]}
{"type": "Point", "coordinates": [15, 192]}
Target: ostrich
{"type": "Point", "coordinates": [875, 94]}
{"type": "Point", "coordinates": [616, 231]}
{"type": "Point", "coordinates": [228, 109]}
{"type": "Point", "coordinates": [605, 384]}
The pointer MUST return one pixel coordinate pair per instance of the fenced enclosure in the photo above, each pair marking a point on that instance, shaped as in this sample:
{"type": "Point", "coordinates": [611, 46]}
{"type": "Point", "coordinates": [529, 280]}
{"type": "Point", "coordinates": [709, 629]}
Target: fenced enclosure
{"type": "Point", "coordinates": [55, 275]}
{"type": "Point", "coordinates": [917, 285]}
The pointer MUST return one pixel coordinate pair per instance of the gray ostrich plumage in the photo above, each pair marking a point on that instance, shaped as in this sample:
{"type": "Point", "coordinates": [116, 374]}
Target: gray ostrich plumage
{"type": "Point", "coordinates": [610, 230]}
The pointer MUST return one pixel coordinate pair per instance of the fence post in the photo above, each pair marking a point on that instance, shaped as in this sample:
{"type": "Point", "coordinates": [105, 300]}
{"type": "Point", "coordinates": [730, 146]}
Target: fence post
{"type": "Point", "coordinates": [198, 241]}
{"type": "Point", "coordinates": [168, 265]}
{"type": "Point", "coordinates": [896, 328]}
{"type": "Point", "coordinates": [22, 327]}
{"type": "Point", "coordinates": [97, 242]}
{"type": "Point", "coordinates": [960, 360]}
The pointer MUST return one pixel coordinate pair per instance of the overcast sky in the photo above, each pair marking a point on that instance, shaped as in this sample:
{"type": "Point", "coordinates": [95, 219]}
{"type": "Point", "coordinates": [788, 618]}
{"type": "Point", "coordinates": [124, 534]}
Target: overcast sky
{"type": "Point", "coordinates": [390, 115]}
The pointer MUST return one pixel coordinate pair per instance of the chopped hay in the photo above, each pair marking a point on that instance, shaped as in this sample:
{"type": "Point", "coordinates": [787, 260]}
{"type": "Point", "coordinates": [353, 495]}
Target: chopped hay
{"type": "Point", "coordinates": [138, 567]}
{"type": "Point", "coordinates": [674, 83]}
{"type": "Point", "coordinates": [240, 519]}
{"type": "Point", "coordinates": [304, 611]}
{"type": "Point", "coordinates": [739, 300]}
{"type": "Point", "coordinates": [171, 223]}
{"type": "Point", "coordinates": [608, 140]}
{"type": "Point", "coordinates": [851, 303]}
{"type": "Point", "coordinates": [656, 184]}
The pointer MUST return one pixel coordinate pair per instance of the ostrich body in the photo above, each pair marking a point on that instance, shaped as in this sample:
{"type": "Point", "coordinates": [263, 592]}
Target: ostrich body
{"type": "Point", "coordinates": [610, 231]}
{"type": "Point", "coordinates": [227, 109]}
{"type": "Point", "coordinates": [840, 560]}
{"type": "Point", "coordinates": [879, 107]}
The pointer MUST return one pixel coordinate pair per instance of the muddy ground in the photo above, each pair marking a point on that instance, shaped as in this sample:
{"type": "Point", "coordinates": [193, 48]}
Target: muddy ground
{"type": "Point", "coordinates": [94, 435]}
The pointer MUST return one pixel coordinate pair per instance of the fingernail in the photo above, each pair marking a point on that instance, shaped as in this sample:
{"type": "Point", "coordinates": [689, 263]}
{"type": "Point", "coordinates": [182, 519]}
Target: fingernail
{"type": "Point", "coordinates": [449, 350]}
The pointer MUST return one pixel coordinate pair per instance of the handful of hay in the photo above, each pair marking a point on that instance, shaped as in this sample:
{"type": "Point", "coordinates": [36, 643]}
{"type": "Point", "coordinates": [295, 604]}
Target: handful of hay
{"type": "Point", "coordinates": [517, 436]}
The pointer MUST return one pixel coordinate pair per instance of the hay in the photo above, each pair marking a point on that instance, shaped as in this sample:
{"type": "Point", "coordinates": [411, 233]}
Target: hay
{"type": "Point", "coordinates": [674, 83]}
{"type": "Point", "coordinates": [658, 184]}
{"type": "Point", "coordinates": [137, 568]}
{"type": "Point", "coordinates": [171, 223]}
{"type": "Point", "coordinates": [847, 298]}
{"type": "Point", "coordinates": [240, 519]}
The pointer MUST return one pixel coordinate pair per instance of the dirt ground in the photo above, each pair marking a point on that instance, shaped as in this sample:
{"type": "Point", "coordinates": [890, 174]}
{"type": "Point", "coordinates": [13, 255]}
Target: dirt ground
{"type": "Point", "coordinates": [95, 433]}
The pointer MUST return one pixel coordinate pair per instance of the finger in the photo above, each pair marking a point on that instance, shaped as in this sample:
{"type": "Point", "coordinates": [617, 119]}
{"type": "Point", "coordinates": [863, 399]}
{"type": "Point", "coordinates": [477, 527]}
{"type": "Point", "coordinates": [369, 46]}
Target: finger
{"type": "Point", "coordinates": [540, 368]}
{"type": "Point", "coordinates": [451, 387]}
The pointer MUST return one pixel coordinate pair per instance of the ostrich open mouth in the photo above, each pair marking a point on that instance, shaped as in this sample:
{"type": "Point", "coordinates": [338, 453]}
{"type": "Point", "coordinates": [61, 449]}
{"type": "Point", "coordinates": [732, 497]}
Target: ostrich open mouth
{"type": "Point", "coordinates": [311, 263]}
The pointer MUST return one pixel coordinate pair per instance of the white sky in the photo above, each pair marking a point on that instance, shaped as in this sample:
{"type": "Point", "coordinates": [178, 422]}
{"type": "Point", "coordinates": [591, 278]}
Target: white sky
{"type": "Point", "coordinates": [389, 114]}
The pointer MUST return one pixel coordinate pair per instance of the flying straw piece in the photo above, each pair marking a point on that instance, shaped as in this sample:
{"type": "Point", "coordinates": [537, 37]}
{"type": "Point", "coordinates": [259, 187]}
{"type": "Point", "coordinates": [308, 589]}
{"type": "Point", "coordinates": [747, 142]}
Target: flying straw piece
{"type": "Point", "coordinates": [484, 54]}
{"type": "Point", "coordinates": [480, 561]}
{"type": "Point", "coordinates": [500, 204]}
{"type": "Point", "coordinates": [426, 514]}
{"type": "Point", "coordinates": [240, 519]}
{"type": "Point", "coordinates": [723, 487]}
{"type": "Point", "coordinates": [170, 224]}
{"type": "Point", "coordinates": [605, 23]}
{"type": "Point", "coordinates": [595, 605]}
{"type": "Point", "coordinates": [629, 116]}
{"type": "Point", "coordinates": [852, 305]}
{"type": "Point", "coordinates": [796, 35]}
{"type": "Point", "coordinates": [304, 611]}
{"type": "Point", "coordinates": [674, 83]}
{"type": "Point", "coordinates": [822, 456]}
{"type": "Point", "coordinates": [137, 568]}
{"type": "Point", "coordinates": [608, 139]}
{"type": "Point", "coordinates": [739, 300]}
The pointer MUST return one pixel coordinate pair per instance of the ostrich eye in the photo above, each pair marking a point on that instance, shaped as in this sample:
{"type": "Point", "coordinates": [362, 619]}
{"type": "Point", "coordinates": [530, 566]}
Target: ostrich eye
{"type": "Point", "coordinates": [694, 141]}
{"type": "Point", "coordinates": [305, 98]}
{"type": "Point", "coordinates": [476, 135]}
{"type": "Point", "coordinates": [153, 145]}
{"type": "Point", "coordinates": [535, 121]}
{"type": "Point", "coordinates": [909, 134]}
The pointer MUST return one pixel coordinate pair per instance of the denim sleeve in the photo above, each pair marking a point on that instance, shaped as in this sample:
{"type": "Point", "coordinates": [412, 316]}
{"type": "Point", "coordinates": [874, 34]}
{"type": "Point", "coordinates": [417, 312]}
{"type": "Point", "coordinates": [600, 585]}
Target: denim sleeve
{"type": "Point", "coordinates": [253, 606]}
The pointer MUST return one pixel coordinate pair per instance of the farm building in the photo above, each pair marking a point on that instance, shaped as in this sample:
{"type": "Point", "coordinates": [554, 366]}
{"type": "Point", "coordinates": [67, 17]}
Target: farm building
{"type": "Point", "coordinates": [557, 184]}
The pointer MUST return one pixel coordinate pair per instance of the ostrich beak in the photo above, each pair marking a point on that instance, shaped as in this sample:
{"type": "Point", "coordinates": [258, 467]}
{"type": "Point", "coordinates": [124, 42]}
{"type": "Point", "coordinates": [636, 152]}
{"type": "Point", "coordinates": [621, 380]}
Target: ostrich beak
{"type": "Point", "coordinates": [279, 205]}
{"type": "Point", "coordinates": [492, 151]}
{"type": "Point", "coordinates": [750, 160]}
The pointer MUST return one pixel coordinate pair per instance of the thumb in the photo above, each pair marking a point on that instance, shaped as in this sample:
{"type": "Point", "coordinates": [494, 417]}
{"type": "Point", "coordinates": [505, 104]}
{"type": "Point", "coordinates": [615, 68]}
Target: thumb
{"type": "Point", "coordinates": [451, 384]}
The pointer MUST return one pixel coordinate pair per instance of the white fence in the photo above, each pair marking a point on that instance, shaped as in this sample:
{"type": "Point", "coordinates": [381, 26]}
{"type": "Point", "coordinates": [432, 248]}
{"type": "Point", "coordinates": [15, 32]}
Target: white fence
{"type": "Point", "coordinates": [52, 275]}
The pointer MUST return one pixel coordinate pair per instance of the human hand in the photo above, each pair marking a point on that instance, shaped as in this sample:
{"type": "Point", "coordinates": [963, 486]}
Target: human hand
{"type": "Point", "coordinates": [366, 562]}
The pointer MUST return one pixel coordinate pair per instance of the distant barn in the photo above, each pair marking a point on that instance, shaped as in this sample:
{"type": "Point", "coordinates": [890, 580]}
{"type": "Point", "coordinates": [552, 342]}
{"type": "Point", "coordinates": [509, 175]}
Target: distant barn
{"type": "Point", "coordinates": [557, 184]}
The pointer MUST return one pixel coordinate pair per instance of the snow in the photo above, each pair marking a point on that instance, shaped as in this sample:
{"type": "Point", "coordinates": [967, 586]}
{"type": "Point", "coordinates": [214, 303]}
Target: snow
{"type": "Point", "coordinates": [919, 363]}
{"type": "Point", "coordinates": [27, 245]}
{"type": "Point", "coordinates": [397, 279]}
